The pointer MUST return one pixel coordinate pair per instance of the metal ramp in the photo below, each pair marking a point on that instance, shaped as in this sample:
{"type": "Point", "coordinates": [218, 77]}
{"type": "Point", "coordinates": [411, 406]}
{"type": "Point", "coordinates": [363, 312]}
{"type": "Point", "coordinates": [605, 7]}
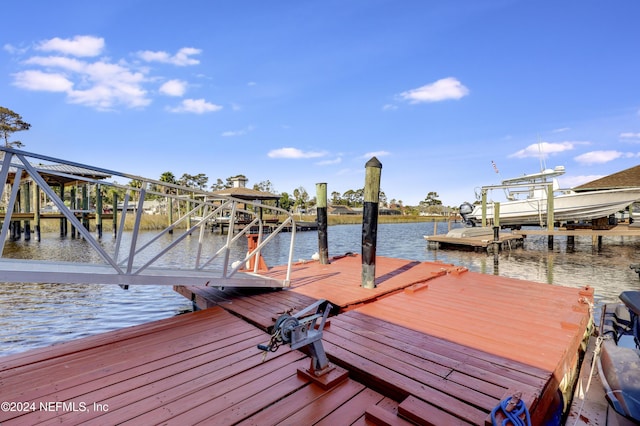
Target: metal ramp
{"type": "Point", "coordinates": [135, 260]}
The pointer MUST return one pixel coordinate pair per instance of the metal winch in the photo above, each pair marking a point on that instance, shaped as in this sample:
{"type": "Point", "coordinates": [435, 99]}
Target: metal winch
{"type": "Point", "coordinates": [300, 330]}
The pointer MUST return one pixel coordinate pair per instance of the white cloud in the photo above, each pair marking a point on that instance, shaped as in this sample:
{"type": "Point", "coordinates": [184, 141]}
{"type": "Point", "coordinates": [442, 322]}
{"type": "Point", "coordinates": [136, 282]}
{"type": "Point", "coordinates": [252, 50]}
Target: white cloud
{"type": "Point", "coordinates": [389, 107]}
{"type": "Point", "coordinates": [544, 149]}
{"type": "Point", "coordinates": [368, 155]}
{"type": "Point", "coordinates": [196, 106]}
{"type": "Point", "coordinates": [181, 58]}
{"type": "Point", "coordinates": [231, 133]}
{"type": "Point", "coordinates": [443, 89]}
{"type": "Point", "coordinates": [42, 81]}
{"type": "Point", "coordinates": [600, 157]}
{"type": "Point", "coordinates": [106, 85]}
{"type": "Point", "coordinates": [629, 135]}
{"type": "Point", "coordinates": [294, 153]}
{"type": "Point", "coordinates": [77, 46]}
{"type": "Point", "coordinates": [173, 88]}
{"type": "Point", "coordinates": [68, 64]}
{"type": "Point", "coordinates": [13, 50]}
{"type": "Point", "coordinates": [106, 96]}
{"type": "Point", "coordinates": [102, 83]}
{"type": "Point", "coordinates": [336, 160]}
{"type": "Point", "coordinates": [561, 130]}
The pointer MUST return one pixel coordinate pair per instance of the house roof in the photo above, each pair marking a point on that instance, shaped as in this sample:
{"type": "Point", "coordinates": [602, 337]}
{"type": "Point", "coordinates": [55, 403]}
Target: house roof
{"type": "Point", "coordinates": [247, 194]}
{"type": "Point", "coordinates": [61, 173]}
{"type": "Point", "coordinates": [629, 178]}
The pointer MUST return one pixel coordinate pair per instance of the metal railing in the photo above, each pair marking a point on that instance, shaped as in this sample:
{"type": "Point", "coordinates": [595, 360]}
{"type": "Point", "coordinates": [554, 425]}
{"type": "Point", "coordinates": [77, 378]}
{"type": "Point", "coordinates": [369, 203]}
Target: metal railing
{"type": "Point", "coordinates": [135, 260]}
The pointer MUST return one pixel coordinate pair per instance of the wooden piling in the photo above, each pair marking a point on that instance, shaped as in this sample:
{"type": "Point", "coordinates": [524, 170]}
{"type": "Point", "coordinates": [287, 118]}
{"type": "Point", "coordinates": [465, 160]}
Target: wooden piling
{"type": "Point", "coordinates": [484, 208]}
{"type": "Point", "coordinates": [73, 206]}
{"type": "Point", "coordinates": [63, 221]}
{"type": "Point", "coordinates": [115, 214]}
{"type": "Point", "coordinates": [321, 209]}
{"type": "Point", "coordinates": [98, 211]}
{"type": "Point", "coordinates": [550, 216]}
{"type": "Point", "coordinates": [373, 170]}
{"type": "Point", "coordinates": [26, 201]}
{"type": "Point", "coordinates": [170, 202]}
{"type": "Point", "coordinates": [85, 206]}
{"type": "Point", "coordinates": [36, 210]}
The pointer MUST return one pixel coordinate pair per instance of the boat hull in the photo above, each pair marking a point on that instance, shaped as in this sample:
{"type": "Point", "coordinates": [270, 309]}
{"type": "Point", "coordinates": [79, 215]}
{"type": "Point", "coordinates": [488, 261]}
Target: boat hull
{"type": "Point", "coordinates": [567, 207]}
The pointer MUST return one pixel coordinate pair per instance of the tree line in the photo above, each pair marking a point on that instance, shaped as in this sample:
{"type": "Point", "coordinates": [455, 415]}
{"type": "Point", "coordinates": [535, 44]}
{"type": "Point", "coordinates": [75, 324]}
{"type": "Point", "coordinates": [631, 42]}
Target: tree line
{"type": "Point", "coordinates": [299, 199]}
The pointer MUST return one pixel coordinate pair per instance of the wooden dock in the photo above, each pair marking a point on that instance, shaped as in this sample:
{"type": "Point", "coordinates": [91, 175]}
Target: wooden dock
{"type": "Point", "coordinates": [481, 241]}
{"type": "Point", "coordinates": [433, 343]}
{"type": "Point", "coordinates": [515, 238]}
{"type": "Point", "coordinates": [622, 230]}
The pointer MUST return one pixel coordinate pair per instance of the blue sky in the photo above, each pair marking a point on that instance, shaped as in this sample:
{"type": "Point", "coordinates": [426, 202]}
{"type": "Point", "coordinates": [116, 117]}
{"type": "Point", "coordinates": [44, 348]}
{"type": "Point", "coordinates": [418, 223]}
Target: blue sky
{"type": "Point", "coordinates": [301, 92]}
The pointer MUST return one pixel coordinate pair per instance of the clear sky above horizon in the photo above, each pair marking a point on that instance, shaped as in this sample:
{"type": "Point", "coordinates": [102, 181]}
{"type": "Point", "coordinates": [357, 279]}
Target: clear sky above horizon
{"type": "Point", "coordinates": [448, 95]}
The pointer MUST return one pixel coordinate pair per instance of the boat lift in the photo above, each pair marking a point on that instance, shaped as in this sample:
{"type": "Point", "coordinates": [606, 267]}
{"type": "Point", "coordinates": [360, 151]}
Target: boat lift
{"type": "Point", "coordinates": [529, 185]}
{"type": "Point", "coordinates": [546, 186]}
{"type": "Point", "coordinates": [137, 260]}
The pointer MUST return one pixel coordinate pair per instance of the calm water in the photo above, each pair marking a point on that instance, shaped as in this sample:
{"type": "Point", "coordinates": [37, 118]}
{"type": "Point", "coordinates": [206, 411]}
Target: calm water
{"type": "Point", "coordinates": [34, 315]}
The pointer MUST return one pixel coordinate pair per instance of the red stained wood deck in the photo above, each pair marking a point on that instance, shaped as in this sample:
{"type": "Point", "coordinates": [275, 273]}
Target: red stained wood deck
{"type": "Point", "coordinates": [433, 343]}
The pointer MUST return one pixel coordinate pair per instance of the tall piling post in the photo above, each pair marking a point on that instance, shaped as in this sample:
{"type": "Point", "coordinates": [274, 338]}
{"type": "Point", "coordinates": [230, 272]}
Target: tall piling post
{"type": "Point", "coordinates": [36, 210]}
{"type": "Point", "coordinates": [99, 210]}
{"type": "Point", "coordinates": [373, 170]}
{"type": "Point", "coordinates": [27, 209]}
{"type": "Point", "coordinates": [114, 216]}
{"type": "Point", "coordinates": [550, 216]}
{"type": "Point", "coordinates": [73, 207]}
{"type": "Point", "coordinates": [170, 213]}
{"type": "Point", "coordinates": [484, 207]}
{"type": "Point", "coordinates": [63, 221]}
{"type": "Point", "coordinates": [85, 206]}
{"type": "Point", "coordinates": [321, 213]}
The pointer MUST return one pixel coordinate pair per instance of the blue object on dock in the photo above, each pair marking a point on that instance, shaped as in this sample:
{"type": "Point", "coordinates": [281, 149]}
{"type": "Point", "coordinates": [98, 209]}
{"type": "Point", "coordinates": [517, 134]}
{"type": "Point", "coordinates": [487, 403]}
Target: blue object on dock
{"type": "Point", "coordinates": [512, 407]}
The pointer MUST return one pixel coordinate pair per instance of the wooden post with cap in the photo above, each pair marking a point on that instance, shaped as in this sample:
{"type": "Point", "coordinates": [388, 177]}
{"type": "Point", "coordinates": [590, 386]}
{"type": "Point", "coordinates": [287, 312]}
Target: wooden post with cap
{"type": "Point", "coordinates": [373, 170]}
{"type": "Point", "coordinates": [321, 214]}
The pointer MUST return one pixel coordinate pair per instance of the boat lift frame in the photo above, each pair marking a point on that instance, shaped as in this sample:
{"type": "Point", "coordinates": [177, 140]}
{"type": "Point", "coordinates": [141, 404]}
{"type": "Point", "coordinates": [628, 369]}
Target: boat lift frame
{"type": "Point", "coordinates": [138, 264]}
{"type": "Point", "coordinates": [496, 216]}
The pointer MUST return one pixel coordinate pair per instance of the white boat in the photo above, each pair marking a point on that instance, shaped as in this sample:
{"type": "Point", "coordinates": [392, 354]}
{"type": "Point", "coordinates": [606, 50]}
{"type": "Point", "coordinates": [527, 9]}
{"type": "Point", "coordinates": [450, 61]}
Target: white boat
{"type": "Point", "coordinates": [526, 201]}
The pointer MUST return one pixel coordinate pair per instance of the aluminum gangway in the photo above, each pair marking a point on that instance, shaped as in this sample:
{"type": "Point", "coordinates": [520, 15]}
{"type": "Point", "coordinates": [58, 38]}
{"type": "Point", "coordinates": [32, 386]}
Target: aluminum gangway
{"type": "Point", "coordinates": [134, 260]}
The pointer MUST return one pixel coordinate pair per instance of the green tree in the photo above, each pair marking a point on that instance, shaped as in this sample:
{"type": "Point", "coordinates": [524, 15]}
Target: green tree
{"type": "Point", "coordinates": [285, 201]}
{"type": "Point", "coordinates": [301, 198]}
{"type": "Point", "coordinates": [335, 197]}
{"type": "Point", "coordinates": [11, 122]}
{"type": "Point", "coordinates": [431, 199]}
{"type": "Point", "coordinates": [383, 199]}
{"type": "Point", "coordinates": [431, 204]}
{"type": "Point", "coordinates": [264, 186]}
{"type": "Point", "coordinates": [194, 181]}
{"type": "Point", "coordinates": [200, 181]}
{"type": "Point", "coordinates": [168, 177]}
{"type": "Point", "coordinates": [218, 185]}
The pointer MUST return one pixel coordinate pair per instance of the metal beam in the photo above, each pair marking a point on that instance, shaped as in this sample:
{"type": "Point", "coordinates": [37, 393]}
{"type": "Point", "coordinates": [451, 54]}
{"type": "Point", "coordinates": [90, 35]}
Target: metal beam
{"type": "Point", "coordinates": [142, 264]}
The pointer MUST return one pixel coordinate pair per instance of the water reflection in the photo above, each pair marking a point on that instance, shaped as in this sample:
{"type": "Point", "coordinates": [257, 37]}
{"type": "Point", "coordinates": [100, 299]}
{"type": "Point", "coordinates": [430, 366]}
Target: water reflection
{"type": "Point", "coordinates": [33, 315]}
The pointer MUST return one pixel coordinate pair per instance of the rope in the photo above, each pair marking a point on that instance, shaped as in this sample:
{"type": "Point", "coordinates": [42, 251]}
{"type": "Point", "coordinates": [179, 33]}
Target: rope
{"type": "Point", "coordinates": [596, 354]}
{"type": "Point", "coordinates": [512, 407]}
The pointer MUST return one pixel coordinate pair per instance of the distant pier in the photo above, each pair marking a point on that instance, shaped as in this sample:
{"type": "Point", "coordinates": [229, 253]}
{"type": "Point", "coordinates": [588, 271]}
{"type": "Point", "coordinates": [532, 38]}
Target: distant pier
{"type": "Point", "coordinates": [485, 238]}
